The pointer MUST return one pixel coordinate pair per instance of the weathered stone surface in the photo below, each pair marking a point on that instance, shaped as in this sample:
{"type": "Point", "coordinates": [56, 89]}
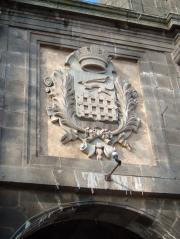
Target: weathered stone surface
{"type": "Point", "coordinates": [173, 136]}
{"type": "Point", "coordinates": [17, 40]}
{"type": "Point", "coordinates": [11, 153]}
{"type": "Point", "coordinates": [23, 89]}
{"type": "Point", "coordinates": [161, 7]}
{"type": "Point", "coordinates": [14, 103]}
{"type": "Point", "coordinates": [175, 151]}
{"type": "Point", "coordinates": [33, 202]}
{"type": "Point", "coordinates": [10, 135]}
{"type": "Point", "coordinates": [33, 42]}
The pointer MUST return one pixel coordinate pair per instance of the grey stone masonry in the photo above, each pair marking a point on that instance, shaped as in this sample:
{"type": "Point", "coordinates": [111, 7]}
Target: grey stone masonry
{"type": "Point", "coordinates": [145, 34]}
{"type": "Point", "coordinates": [154, 7]}
{"type": "Point", "coordinates": [23, 33]}
{"type": "Point", "coordinates": [18, 206]}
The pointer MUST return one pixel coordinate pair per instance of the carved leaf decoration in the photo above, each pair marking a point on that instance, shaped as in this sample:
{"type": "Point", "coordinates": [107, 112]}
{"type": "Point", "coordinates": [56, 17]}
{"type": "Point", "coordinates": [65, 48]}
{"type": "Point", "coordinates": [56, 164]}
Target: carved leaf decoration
{"type": "Point", "coordinates": [63, 99]}
{"type": "Point", "coordinates": [127, 101]}
{"type": "Point", "coordinates": [70, 135]}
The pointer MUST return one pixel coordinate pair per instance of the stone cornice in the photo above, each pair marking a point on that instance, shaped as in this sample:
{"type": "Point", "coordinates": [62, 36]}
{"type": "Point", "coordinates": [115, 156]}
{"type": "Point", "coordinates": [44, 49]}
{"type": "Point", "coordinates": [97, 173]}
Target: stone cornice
{"type": "Point", "coordinates": [106, 12]}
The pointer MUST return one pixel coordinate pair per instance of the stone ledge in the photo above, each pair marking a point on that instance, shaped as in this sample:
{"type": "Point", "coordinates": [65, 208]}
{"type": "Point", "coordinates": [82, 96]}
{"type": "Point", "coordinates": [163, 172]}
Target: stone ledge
{"type": "Point", "coordinates": [106, 12]}
{"type": "Point", "coordinates": [59, 179]}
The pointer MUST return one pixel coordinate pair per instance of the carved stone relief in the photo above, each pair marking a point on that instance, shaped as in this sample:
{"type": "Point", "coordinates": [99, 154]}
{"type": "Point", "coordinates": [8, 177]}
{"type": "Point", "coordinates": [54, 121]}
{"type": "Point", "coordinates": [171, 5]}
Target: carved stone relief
{"type": "Point", "coordinates": [90, 101]}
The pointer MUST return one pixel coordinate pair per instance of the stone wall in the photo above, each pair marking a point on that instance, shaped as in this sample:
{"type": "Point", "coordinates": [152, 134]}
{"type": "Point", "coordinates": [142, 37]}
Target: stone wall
{"type": "Point", "coordinates": [18, 206]}
{"type": "Point", "coordinates": [23, 133]}
{"type": "Point", "coordinates": [155, 7]}
{"type": "Point", "coordinates": [33, 41]}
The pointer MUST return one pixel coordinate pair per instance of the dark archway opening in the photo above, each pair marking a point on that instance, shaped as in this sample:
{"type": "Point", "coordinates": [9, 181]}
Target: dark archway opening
{"type": "Point", "coordinates": [84, 229]}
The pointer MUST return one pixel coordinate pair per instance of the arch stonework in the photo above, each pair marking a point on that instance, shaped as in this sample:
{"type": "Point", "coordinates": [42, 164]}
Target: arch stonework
{"type": "Point", "coordinates": [136, 221]}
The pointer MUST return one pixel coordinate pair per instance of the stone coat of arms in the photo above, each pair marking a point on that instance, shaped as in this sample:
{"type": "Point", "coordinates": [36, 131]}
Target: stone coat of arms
{"type": "Point", "coordinates": [91, 103]}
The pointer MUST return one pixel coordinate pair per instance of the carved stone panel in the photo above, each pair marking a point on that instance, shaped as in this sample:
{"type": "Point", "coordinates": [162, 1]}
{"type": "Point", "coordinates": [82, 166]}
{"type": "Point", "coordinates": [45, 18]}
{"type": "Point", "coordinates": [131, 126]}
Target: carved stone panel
{"type": "Point", "coordinates": [94, 106]}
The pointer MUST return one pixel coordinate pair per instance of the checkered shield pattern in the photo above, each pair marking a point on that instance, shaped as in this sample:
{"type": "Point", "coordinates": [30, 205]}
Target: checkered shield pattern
{"type": "Point", "coordinates": [97, 107]}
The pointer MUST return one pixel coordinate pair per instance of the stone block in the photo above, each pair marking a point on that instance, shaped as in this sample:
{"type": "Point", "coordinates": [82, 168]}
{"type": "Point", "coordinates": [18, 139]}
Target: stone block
{"type": "Point", "coordinates": [80, 179]}
{"type": "Point", "coordinates": [174, 7]}
{"type": "Point", "coordinates": [176, 225]}
{"type": "Point", "coordinates": [48, 199]}
{"type": "Point", "coordinates": [161, 69]}
{"type": "Point", "coordinates": [8, 197]}
{"type": "Point", "coordinates": [92, 165]}
{"type": "Point", "coordinates": [157, 57]}
{"type": "Point", "coordinates": [16, 59]}
{"type": "Point", "coordinates": [172, 121]}
{"type": "Point", "coordinates": [18, 46]}
{"type": "Point", "coordinates": [174, 152]}
{"type": "Point", "coordinates": [157, 169]}
{"type": "Point", "coordinates": [115, 3]}
{"type": "Point", "coordinates": [153, 206]}
{"type": "Point", "coordinates": [151, 10]}
{"type": "Point", "coordinates": [167, 209]}
{"type": "Point", "coordinates": [162, 185]}
{"type": "Point", "coordinates": [17, 40]}
{"type": "Point", "coordinates": [31, 175]}
{"type": "Point", "coordinates": [14, 103]}
{"type": "Point", "coordinates": [15, 87]}
{"type": "Point", "coordinates": [125, 169]}
{"type": "Point", "coordinates": [163, 81]}
{"type": "Point", "coordinates": [165, 94]}
{"type": "Point", "coordinates": [177, 106]}
{"type": "Point", "coordinates": [160, 147]}
{"type": "Point", "coordinates": [173, 136]}
{"type": "Point", "coordinates": [146, 78]}
{"type": "Point", "coordinates": [29, 203]}
{"type": "Point", "coordinates": [157, 136]}
{"type": "Point", "coordinates": [177, 95]}
{"type": "Point", "coordinates": [173, 69]}
{"type": "Point", "coordinates": [137, 5]}
{"type": "Point", "coordinates": [144, 65]}
{"type": "Point", "coordinates": [1, 100]}
{"type": "Point", "coordinates": [2, 76]}
{"type": "Point", "coordinates": [10, 135]}
{"type": "Point", "coordinates": [148, 92]}
{"type": "Point", "coordinates": [176, 170]}
{"type": "Point", "coordinates": [167, 107]}
{"type": "Point", "coordinates": [153, 114]}
{"type": "Point", "coordinates": [16, 73]}
{"type": "Point", "coordinates": [13, 119]}
{"type": "Point", "coordinates": [2, 84]}
{"type": "Point", "coordinates": [43, 157]}
{"type": "Point", "coordinates": [163, 7]}
{"type": "Point", "coordinates": [175, 82]}
{"type": "Point", "coordinates": [3, 36]}
{"type": "Point", "coordinates": [11, 153]}
{"type": "Point", "coordinates": [177, 206]}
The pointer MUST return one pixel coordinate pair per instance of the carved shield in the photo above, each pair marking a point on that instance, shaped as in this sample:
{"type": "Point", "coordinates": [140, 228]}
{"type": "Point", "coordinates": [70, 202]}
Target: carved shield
{"type": "Point", "coordinates": [91, 103]}
{"type": "Point", "coordinates": [95, 97]}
